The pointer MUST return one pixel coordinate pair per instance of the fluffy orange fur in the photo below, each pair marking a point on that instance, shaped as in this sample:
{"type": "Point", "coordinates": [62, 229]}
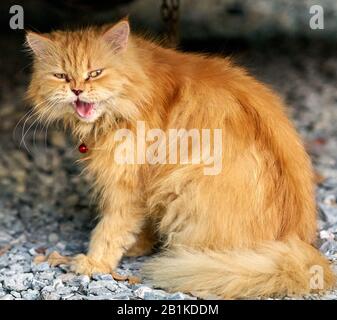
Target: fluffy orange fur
{"type": "Point", "coordinates": [245, 232]}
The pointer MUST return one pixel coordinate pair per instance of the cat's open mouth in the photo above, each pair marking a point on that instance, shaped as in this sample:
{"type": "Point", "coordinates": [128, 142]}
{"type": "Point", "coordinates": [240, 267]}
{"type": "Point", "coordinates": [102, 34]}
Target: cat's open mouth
{"type": "Point", "coordinates": [84, 109]}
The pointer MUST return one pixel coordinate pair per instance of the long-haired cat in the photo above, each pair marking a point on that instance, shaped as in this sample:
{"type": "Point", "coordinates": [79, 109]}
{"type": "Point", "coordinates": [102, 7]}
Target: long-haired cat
{"type": "Point", "coordinates": [247, 231]}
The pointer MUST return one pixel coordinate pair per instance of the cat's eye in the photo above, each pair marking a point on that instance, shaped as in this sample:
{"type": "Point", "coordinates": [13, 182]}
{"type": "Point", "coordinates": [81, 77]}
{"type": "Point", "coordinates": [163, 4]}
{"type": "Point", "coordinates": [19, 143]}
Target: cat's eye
{"type": "Point", "coordinates": [95, 73]}
{"type": "Point", "coordinates": [61, 76]}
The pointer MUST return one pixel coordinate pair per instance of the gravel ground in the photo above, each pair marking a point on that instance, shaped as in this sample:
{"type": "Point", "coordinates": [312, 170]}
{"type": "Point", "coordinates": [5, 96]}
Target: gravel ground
{"type": "Point", "coordinates": [44, 202]}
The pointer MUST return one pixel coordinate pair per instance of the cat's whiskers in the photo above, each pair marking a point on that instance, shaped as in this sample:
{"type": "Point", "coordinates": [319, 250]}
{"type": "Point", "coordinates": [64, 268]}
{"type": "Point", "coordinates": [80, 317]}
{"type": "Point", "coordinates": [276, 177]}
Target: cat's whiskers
{"type": "Point", "coordinates": [45, 135]}
{"type": "Point", "coordinates": [24, 135]}
{"type": "Point", "coordinates": [48, 119]}
{"type": "Point", "coordinates": [30, 114]}
{"type": "Point", "coordinates": [27, 114]}
{"type": "Point", "coordinates": [34, 135]}
{"type": "Point", "coordinates": [34, 113]}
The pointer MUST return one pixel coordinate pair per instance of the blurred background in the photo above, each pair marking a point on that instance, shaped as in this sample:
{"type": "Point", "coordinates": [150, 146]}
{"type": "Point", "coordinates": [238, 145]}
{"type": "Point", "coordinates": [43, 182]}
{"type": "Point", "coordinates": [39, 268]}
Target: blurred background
{"type": "Point", "coordinates": [44, 202]}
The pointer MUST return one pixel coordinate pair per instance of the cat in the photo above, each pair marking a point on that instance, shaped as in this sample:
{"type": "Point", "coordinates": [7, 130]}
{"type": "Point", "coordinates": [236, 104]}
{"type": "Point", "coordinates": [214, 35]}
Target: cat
{"type": "Point", "coordinates": [248, 231]}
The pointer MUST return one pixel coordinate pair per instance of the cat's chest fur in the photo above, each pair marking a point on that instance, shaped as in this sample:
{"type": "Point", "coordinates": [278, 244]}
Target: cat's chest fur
{"type": "Point", "coordinates": [149, 184]}
{"type": "Point", "coordinates": [111, 175]}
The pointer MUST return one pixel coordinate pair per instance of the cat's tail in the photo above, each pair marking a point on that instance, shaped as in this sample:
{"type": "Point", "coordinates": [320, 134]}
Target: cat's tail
{"type": "Point", "coordinates": [273, 268]}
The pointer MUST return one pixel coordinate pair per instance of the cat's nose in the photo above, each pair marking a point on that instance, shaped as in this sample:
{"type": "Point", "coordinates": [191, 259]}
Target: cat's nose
{"type": "Point", "coordinates": [77, 91]}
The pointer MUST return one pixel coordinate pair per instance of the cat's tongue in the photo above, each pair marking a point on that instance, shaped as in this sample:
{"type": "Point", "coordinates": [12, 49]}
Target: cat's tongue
{"type": "Point", "coordinates": [84, 109]}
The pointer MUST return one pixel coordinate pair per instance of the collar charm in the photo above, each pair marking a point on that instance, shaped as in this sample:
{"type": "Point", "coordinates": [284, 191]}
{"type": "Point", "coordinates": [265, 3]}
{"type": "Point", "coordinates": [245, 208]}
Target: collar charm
{"type": "Point", "coordinates": [83, 148]}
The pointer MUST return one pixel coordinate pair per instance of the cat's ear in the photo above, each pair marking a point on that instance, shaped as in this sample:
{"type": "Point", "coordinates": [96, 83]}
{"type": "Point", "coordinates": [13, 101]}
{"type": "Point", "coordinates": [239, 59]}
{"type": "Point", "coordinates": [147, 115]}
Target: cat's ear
{"type": "Point", "coordinates": [118, 35]}
{"type": "Point", "coordinates": [39, 44]}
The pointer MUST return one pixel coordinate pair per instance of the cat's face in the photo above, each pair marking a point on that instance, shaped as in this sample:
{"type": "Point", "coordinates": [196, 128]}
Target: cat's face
{"type": "Point", "coordinates": [78, 75]}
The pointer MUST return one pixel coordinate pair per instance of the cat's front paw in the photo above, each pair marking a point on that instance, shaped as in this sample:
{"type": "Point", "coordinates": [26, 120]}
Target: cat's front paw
{"type": "Point", "coordinates": [82, 264]}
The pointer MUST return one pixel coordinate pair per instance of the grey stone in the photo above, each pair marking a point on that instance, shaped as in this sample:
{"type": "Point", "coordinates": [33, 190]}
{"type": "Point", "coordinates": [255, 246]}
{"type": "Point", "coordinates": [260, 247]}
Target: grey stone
{"type": "Point", "coordinates": [53, 237]}
{"type": "Point", "coordinates": [329, 247]}
{"type": "Point", "coordinates": [99, 276]}
{"type": "Point", "coordinates": [39, 284]}
{"type": "Point", "coordinates": [5, 238]}
{"type": "Point", "coordinates": [7, 297]}
{"type": "Point", "coordinates": [48, 288]}
{"type": "Point", "coordinates": [66, 277]}
{"type": "Point", "coordinates": [30, 294]}
{"type": "Point", "coordinates": [9, 272]}
{"type": "Point", "coordinates": [4, 261]}
{"type": "Point", "coordinates": [22, 256]}
{"type": "Point", "coordinates": [109, 285]}
{"type": "Point", "coordinates": [123, 296]}
{"type": "Point", "coordinates": [50, 295]}
{"type": "Point", "coordinates": [74, 297]}
{"type": "Point", "coordinates": [17, 268]}
{"type": "Point", "coordinates": [330, 200]}
{"type": "Point", "coordinates": [65, 291]}
{"type": "Point", "coordinates": [148, 293]}
{"type": "Point", "coordinates": [99, 291]}
{"type": "Point", "coordinates": [58, 284]}
{"type": "Point", "coordinates": [122, 286]}
{"type": "Point", "coordinates": [46, 275]}
{"type": "Point", "coordinates": [15, 294]}
{"type": "Point", "coordinates": [180, 296]}
{"type": "Point", "coordinates": [18, 282]}
{"type": "Point", "coordinates": [77, 281]}
{"type": "Point", "coordinates": [32, 252]}
{"type": "Point", "coordinates": [330, 213]}
{"type": "Point", "coordinates": [40, 267]}
{"type": "Point", "coordinates": [98, 297]}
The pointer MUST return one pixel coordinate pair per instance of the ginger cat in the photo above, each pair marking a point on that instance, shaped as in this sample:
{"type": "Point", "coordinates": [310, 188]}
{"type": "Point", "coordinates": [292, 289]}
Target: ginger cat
{"type": "Point", "coordinates": [244, 232]}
